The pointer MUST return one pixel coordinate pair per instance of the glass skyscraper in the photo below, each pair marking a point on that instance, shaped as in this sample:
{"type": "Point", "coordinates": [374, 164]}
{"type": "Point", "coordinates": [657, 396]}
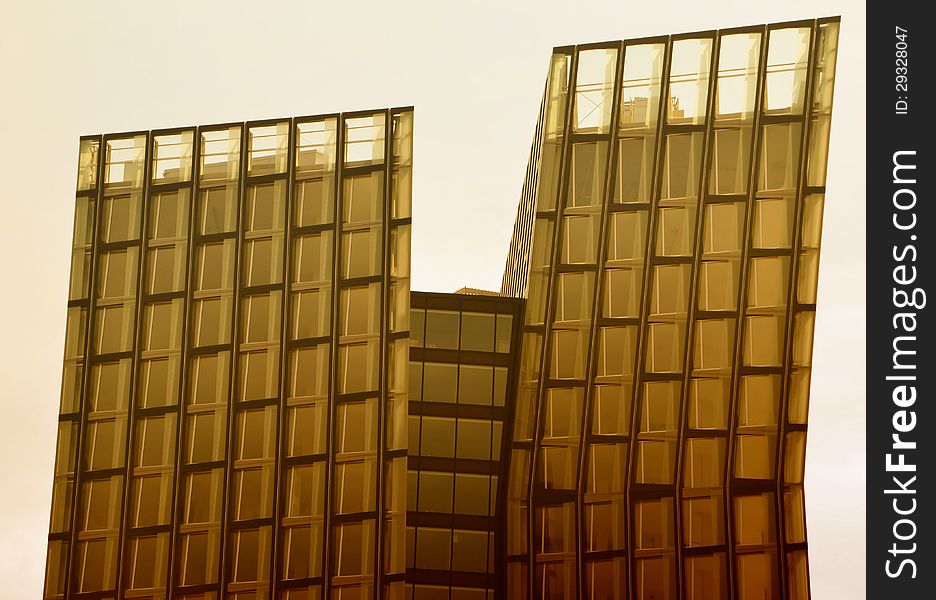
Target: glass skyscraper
{"type": "Point", "coordinates": [667, 243]}
{"type": "Point", "coordinates": [255, 406]}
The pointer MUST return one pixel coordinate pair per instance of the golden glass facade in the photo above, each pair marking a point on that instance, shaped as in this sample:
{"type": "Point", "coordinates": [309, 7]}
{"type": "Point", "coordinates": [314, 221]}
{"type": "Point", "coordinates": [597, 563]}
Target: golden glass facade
{"type": "Point", "coordinates": [233, 412]}
{"type": "Point", "coordinates": [254, 405]}
{"type": "Point", "coordinates": [667, 244]}
{"type": "Point", "coordinates": [462, 376]}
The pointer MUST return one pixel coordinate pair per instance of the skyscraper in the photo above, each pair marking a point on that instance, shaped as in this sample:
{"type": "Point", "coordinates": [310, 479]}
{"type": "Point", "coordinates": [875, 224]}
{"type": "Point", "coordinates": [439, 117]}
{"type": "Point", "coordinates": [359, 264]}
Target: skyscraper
{"type": "Point", "coordinates": [667, 243]}
{"type": "Point", "coordinates": [255, 406]}
{"type": "Point", "coordinates": [233, 413]}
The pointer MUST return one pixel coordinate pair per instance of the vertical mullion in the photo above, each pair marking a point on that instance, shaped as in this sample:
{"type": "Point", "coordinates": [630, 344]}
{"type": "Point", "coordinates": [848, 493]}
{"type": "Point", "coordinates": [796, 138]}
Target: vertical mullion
{"type": "Point", "coordinates": [243, 158]}
{"type": "Point", "coordinates": [285, 314]}
{"type": "Point", "coordinates": [682, 413]}
{"type": "Point", "coordinates": [70, 577]}
{"type": "Point", "coordinates": [592, 347]}
{"type": "Point", "coordinates": [175, 505]}
{"type": "Point", "coordinates": [539, 413]}
{"type": "Point", "coordinates": [333, 357]}
{"type": "Point", "coordinates": [135, 362]}
{"type": "Point", "coordinates": [382, 398]}
{"type": "Point", "coordinates": [741, 311]}
{"type": "Point", "coordinates": [785, 384]}
{"type": "Point", "coordinates": [649, 253]}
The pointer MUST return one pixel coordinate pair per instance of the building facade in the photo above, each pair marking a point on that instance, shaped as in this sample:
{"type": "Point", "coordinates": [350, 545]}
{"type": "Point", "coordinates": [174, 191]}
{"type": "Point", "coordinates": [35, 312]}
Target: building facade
{"type": "Point", "coordinates": [233, 413]}
{"type": "Point", "coordinates": [667, 244]}
{"type": "Point", "coordinates": [255, 406]}
{"type": "Point", "coordinates": [462, 377]}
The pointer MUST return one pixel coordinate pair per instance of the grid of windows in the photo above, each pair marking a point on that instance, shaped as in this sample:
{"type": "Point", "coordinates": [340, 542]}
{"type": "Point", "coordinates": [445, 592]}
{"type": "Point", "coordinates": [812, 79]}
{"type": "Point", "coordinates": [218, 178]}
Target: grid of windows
{"type": "Point", "coordinates": [230, 380]}
{"type": "Point", "coordinates": [460, 379]}
{"type": "Point", "coordinates": [667, 244]}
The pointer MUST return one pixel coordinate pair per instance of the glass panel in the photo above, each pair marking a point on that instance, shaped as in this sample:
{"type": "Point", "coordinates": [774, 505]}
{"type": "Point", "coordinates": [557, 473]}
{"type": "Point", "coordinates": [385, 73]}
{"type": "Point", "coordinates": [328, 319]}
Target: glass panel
{"type": "Point", "coordinates": [640, 93]}
{"type": "Point", "coordinates": [738, 58]}
{"type": "Point", "coordinates": [172, 157]}
{"type": "Point", "coordinates": [689, 77]}
{"type": "Point", "coordinates": [787, 61]}
{"type": "Point", "coordinates": [594, 88]}
{"type": "Point", "coordinates": [267, 149]}
{"type": "Point", "coordinates": [364, 140]}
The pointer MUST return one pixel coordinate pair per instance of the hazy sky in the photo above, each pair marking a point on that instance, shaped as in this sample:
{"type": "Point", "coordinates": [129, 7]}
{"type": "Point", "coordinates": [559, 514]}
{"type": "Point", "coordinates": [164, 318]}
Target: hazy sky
{"type": "Point", "coordinates": [474, 72]}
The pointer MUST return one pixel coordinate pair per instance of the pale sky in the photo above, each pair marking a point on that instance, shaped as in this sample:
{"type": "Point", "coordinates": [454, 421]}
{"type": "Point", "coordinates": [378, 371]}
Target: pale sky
{"type": "Point", "coordinates": [475, 73]}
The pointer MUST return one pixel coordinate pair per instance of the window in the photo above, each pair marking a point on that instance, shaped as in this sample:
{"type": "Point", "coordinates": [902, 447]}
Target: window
{"type": "Point", "coordinates": [705, 462]}
{"type": "Point", "coordinates": [121, 219]}
{"type": "Point", "coordinates": [574, 297]}
{"type": "Point", "coordinates": [361, 253]}
{"type": "Point", "coordinates": [470, 550]}
{"type": "Point", "coordinates": [105, 441]}
{"type": "Point", "coordinates": [568, 353]}
{"type": "Point", "coordinates": [665, 347]}
{"type": "Point", "coordinates": [306, 429]}
{"type": "Point", "coordinates": [714, 344]}
{"type": "Point", "coordinates": [760, 399]}
{"type": "Point", "coordinates": [256, 434]}
{"type": "Point", "coordinates": [477, 332]}
{"type": "Point", "coordinates": [763, 341]}
{"type": "Point", "coordinates": [675, 231]}
{"type": "Point", "coordinates": [259, 374]}
{"type": "Point", "coordinates": [356, 427]}
{"type": "Point", "coordinates": [262, 261]}
{"type": "Point", "coordinates": [779, 164]}
{"type": "Point", "coordinates": [586, 181]}
{"type": "Point", "coordinates": [162, 325]}
{"type": "Point", "coordinates": [773, 223]}
{"type": "Point", "coordinates": [724, 228]}
{"type": "Point", "coordinates": [117, 272]}
{"type": "Point", "coordinates": [217, 212]}
{"type": "Point", "coordinates": [354, 548]}
{"type": "Point", "coordinates": [360, 310]}
{"type": "Point", "coordinates": [305, 486]}
{"type": "Point", "coordinates": [166, 269]}
{"type": "Point", "coordinates": [311, 313]}
{"type": "Point", "coordinates": [754, 457]}
{"type": "Point", "coordinates": [358, 367]}
{"type": "Point", "coordinates": [309, 372]}
{"type": "Point", "coordinates": [659, 408]}
{"type": "Point", "coordinates": [199, 557]}
{"type": "Point", "coordinates": [703, 521]}
{"type": "Point", "coordinates": [769, 282]}
{"type": "Point", "coordinates": [146, 561]}
{"type": "Point", "coordinates": [212, 321]}
{"type": "Point", "coordinates": [594, 85]}
{"type": "Point", "coordinates": [438, 437]}
{"type": "Point", "coordinates": [168, 215]}
{"type": "Point", "coordinates": [250, 549]}
{"type": "Point", "coordinates": [738, 57]}
{"type": "Point", "coordinates": [681, 167]}
{"type": "Point", "coordinates": [580, 239]}
{"type": "Point", "coordinates": [731, 153]}
{"type": "Point", "coordinates": [267, 148]}
{"type": "Point", "coordinates": [473, 494]}
{"type": "Point", "coordinates": [206, 431]}
{"type": "Point", "coordinates": [611, 411]}
{"type": "Point", "coordinates": [754, 519]}
{"type": "Point", "coordinates": [435, 491]}
{"type": "Point", "coordinates": [708, 402]}
{"type": "Point", "coordinates": [689, 76]}
{"type": "Point", "coordinates": [634, 172]}
{"type": "Point", "coordinates": [787, 58]}
{"type": "Point", "coordinates": [442, 329]}
{"type": "Point", "coordinates": [654, 524]}
{"type": "Point", "coordinates": [363, 198]}
{"type": "Point", "coordinates": [474, 439]}
{"type": "Point", "coordinates": [313, 258]}
{"type": "Point", "coordinates": [475, 383]}
{"type": "Point", "coordinates": [156, 441]}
